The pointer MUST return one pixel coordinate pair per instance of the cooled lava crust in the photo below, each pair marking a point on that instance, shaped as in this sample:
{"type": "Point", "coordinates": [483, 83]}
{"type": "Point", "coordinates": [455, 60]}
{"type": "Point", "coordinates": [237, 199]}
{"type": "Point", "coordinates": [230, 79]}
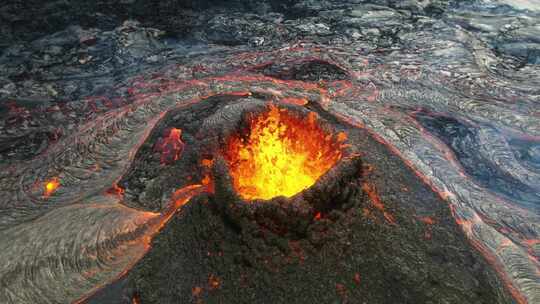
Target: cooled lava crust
{"type": "Point", "coordinates": [368, 231]}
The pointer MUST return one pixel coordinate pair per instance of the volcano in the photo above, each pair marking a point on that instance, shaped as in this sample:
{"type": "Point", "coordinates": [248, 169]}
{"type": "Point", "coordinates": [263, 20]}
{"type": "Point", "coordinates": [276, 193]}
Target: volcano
{"type": "Point", "coordinates": [346, 230]}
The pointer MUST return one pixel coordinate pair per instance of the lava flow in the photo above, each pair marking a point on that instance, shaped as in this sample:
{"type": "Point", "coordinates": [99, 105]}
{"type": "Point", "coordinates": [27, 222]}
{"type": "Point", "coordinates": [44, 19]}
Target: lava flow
{"type": "Point", "coordinates": [281, 155]}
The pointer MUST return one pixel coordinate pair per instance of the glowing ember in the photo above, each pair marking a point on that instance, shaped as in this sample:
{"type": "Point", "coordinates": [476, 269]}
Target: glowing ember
{"type": "Point", "coordinates": [214, 282]}
{"type": "Point", "coordinates": [170, 146]}
{"type": "Point", "coordinates": [135, 300]}
{"type": "Point", "coordinates": [116, 190]}
{"type": "Point", "coordinates": [282, 155]}
{"type": "Point", "coordinates": [51, 186]}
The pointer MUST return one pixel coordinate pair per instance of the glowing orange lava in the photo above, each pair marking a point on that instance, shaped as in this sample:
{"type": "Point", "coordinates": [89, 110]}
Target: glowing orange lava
{"type": "Point", "coordinates": [170, 146]}
{"type": "Point", "coordinates": [51, 186]}
{"type": "Point", "coordinates": [282, 154]}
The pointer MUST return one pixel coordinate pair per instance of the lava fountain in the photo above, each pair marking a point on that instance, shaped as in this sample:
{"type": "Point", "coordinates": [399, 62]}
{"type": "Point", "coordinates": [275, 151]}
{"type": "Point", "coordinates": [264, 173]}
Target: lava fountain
{"type": "Point", "coordinates": [281, 154]}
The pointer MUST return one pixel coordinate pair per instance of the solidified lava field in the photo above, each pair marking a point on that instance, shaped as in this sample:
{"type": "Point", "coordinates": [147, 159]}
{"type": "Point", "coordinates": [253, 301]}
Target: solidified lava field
{"type": "Point", "coordinates": [269, 151]}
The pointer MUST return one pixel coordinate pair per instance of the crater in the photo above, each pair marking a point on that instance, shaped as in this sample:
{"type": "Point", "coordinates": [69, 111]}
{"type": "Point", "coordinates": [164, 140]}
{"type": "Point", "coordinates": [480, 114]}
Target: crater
{"type": "Point", "coordinates": [280, 153]}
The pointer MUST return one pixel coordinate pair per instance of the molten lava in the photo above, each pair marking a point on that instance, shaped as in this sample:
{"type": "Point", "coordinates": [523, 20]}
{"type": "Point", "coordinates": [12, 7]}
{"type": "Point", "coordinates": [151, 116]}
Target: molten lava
{"type": "Point", "coordinates": [51, 186]}
{"type": "Point", "coordinates": [281, 155]}
{"type": "Point", "coordinates": [170, 146]}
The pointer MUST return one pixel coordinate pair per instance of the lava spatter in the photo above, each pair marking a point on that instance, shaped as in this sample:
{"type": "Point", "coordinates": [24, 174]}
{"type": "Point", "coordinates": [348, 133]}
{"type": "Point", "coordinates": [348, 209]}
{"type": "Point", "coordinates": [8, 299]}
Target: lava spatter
{"type": "Point", "coordinates": [51, 186]}
{"type": "Point", "coordinates": [170, 146]}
